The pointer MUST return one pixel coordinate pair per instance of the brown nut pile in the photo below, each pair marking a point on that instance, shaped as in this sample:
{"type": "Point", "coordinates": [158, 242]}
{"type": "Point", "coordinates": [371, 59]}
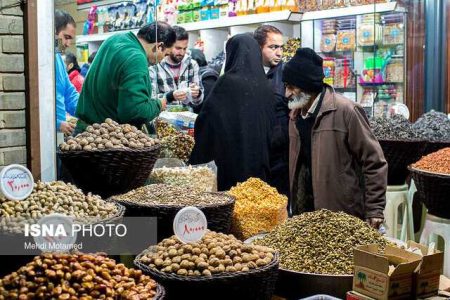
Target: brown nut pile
{"type": "Point", "coordinates": [436, 162]}
{"type": "Point", "coordinates": [76, 277]}
{"type": "Point", "coordinates": [215, 253]}
{"type": "Point", "coordinates": [108, 135]}
{"type": "Point", "coordinates": [258, 208]}
{"type": "Point", "coordinates": [53, 197]}
{"type": "Point", "coordinates": [165, 194]}
{"type": "Point", "coordinates": [321, 242]}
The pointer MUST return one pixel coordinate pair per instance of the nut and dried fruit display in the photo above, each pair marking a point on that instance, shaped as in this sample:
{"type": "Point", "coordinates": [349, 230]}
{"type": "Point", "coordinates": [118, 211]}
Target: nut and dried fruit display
{"type": "Point", "coordinates": [76, 277]}
{"type": "Point", "coordinates": [396, 128]}
{"type": "Point", "coordinates": [258, 208]}
{"type": "Point", "coordinates": [215, 253]}
{"type": "Point", "coordinates": [54, 197]}
{"type": "Point", "coordinates": [109, 135]}
{"type": "Point", "coordinates": [320, 242]}
{"type": "Point", "coordinates": [202, 178]}
{"type": "Point", "coordinates": [290, 47]}
{"type": "Point", "coordinates": [433, 126]}
{"type": "Point", "coordinates": [437, 162]}
{"type": "Point", "coordinates": [174, 144]}
{"type": "Point", "coordinates": [164, 194]}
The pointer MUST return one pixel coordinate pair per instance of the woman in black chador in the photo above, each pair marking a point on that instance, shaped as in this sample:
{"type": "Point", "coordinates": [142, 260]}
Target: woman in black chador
{"type": "Point", "coordinates": [234, 126]}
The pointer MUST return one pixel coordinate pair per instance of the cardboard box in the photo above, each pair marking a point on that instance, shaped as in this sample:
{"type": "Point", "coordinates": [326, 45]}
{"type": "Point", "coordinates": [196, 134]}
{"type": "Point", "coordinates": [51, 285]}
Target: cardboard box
{"type": "Point", "coordinates": [427, 275]}
{"type": "Point", "coordinates": [387, 276]}
{"type": "Point", "coordinates": [352, 295]}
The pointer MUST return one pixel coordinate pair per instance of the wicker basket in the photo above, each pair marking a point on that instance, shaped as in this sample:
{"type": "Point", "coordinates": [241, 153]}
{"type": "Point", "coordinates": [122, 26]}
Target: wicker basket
{"type": "Point", "coordinates": [219, 216]}
{"type": "Point", "coordinates": [434, 191]}
{"type": "Point", "coordinates": [399, 155]}
{"type": "Point", "coordinates": [160, 293]}
{"type": "Point", "coordinates": [109, 172]}
{"type": "Point", "coordinates": [431, 147]}
{"type": "Point", "coordinates": [258, 284]}
{"type": "Point", "coordinates": [11, 263]}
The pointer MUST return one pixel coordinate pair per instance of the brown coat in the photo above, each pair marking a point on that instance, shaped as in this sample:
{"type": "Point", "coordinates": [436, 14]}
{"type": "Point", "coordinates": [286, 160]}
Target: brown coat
{"type": "Point", "coordinates": [343, 146]}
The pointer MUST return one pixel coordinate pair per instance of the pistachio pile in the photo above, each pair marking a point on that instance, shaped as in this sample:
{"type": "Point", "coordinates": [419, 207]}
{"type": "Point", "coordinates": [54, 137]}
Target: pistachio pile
{"type": "Point", "coordinates": [258, 208]}
{"type": "Point", "coordinates": [164, 194]}
{"type": "Point", "coordinates": [215, 253]}
{"type": "Point", "coordinates": [202, 178]}
{"type": "Point", "coordinates": [174, 144]}
{"type": "Point", "coordinates": [76, 277]}
{"type": "Point", "coordinates": [108, 135]}
{"type": "Point", "coordinates": [53, 197]}
{"type": "Point", "coordinates": [321, 242]}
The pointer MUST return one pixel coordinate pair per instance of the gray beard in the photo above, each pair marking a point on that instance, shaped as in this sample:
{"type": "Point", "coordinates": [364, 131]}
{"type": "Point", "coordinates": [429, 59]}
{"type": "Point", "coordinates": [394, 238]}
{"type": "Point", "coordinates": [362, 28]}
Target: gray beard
{"type": "Point", "coordinates": [298, 102]}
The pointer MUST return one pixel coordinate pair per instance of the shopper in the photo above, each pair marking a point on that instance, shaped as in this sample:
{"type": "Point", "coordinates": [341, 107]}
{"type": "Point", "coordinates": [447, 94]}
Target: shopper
{"type": "Point", "coordinates": [335, 160]}
{"type": "Point", "coordinates": [270, 39]}
{"type": "Point", "coordinates": [85, 67]}
{"type": "Point", "coordinates": [66, 94]}
{"type": "Point", "coordinates": [208, 75]}
{"type": "Point", "coordinates": [176, 78]}
{"type": "Point", "coordinates": [234, 125]}
{"type": "Point", "coordinates": [118, 85]}
{"type": "Point", "coordinates": [73, 69]}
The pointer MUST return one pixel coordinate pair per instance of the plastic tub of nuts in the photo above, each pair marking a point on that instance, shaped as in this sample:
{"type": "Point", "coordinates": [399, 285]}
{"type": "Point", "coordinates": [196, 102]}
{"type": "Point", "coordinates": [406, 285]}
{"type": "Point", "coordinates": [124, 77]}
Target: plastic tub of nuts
{"type": "Point", "coordinates": [217, 267]}
{"type": "Point", "coordinates": [164, 201]}
{"type": "Point", "coordinates": [52, 198]}
{"type": "Point", "coordinates": [109, 159]}
{"type": "Point", "coordinates": [78, 277]}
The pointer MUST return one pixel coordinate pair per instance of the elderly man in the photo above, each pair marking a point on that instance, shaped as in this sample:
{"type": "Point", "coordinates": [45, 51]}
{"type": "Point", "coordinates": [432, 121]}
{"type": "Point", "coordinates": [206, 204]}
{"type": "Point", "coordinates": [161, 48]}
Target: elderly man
{"type": "Point", "coordinates": [336, 162]}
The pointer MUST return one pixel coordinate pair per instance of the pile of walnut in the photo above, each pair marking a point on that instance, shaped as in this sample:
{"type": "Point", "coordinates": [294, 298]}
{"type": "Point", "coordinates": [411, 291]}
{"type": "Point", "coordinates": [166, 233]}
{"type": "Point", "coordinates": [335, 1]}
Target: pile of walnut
{"type": "Point", "coordinates": [214, 254]}
{"type": "Point", "coordinates": [109, 135]}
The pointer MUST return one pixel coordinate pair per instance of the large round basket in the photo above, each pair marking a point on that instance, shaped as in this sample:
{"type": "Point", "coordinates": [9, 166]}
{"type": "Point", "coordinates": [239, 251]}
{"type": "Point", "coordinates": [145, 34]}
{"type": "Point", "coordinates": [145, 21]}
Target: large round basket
{"type": "Point", "coordinates": [399, 155]}
{"type": "Point", "coordinates": [160, 292]}
{"type": "Point", "coordinates": [219, 216]}
{"type": "Point", "coordinates": [257, 284]}
{"type": "Point", "coordinates": [434, 191]}
{"type": "Point", "coordinates": [431, 147]}
{"type": "Point", "coordinates": [109, 172]}
{"type": "Point", "coordinates": [11, 263]}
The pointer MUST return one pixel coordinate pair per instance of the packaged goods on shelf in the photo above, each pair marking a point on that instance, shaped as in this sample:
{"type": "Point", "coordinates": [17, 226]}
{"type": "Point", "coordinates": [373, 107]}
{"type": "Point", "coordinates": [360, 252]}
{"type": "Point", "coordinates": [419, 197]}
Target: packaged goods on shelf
{"type": "Point", "coordinates": [394, 70]}
{"type": "Point", "coordinates": [329, 70]}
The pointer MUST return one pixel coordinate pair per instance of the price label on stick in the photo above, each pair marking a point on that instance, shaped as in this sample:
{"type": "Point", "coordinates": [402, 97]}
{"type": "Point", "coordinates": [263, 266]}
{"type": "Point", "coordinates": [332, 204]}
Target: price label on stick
{"type": "Point", "coordinates": [190, 225]}
{"type": "Point", "coordinates": [16, 182]}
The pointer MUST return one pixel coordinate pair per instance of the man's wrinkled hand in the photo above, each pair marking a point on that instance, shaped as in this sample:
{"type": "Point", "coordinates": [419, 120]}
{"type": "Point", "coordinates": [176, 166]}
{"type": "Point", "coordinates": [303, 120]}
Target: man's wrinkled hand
{"type": "Point", "coordinates": [67, 128]}
{"type": "Point", "coordinates": [375, 222]}
{"type": "Point", "coordinates": [179, 95]}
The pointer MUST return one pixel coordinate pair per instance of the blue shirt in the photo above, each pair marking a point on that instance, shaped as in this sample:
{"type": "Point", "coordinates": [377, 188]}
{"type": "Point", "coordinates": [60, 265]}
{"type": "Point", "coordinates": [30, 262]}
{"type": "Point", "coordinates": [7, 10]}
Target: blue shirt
{"type": "Point", "coordinates": [66, 94]}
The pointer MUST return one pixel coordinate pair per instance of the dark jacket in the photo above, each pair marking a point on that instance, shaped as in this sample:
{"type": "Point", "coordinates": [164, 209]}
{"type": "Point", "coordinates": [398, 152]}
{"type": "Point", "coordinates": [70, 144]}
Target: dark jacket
{"type": "Point", "coordinates": [234, 125]}
{"type": "Point", "coordinates": [208, 77]}
{"type": "Point", "coordinates": [349, 171]}
{"type": "Point", "coordinates": [279, 154]}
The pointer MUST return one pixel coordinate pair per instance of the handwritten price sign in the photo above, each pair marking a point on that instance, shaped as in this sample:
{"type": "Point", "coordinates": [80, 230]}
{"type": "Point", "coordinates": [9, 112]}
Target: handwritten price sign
{"type": "Point", "coordinates": [16, 182]}
{"type": "Point", "coordinates": [190, 225]}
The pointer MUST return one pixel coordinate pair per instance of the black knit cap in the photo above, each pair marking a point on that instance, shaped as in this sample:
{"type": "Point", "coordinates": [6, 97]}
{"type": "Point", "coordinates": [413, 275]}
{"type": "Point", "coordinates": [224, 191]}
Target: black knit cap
{"type": "Point", "coordinates": [305, 71]}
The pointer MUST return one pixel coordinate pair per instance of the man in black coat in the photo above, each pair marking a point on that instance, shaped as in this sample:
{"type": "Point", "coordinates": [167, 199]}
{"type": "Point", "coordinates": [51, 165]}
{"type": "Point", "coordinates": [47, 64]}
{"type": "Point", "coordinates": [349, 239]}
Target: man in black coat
{"type": "Point", "coordinates": [270, 39]}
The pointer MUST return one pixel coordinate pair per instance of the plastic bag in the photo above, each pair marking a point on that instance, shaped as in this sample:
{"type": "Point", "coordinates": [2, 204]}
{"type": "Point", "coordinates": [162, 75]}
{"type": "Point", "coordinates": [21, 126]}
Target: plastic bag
{"type": "Point", "coordinates": [173, 171]}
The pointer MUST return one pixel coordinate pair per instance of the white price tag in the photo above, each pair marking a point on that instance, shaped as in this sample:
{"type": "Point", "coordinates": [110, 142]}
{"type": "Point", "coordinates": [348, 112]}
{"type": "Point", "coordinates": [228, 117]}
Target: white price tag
{"type": "Point", "coordinates": [190, 225]}
{"type": "Point", "coordinates": [16, 182]}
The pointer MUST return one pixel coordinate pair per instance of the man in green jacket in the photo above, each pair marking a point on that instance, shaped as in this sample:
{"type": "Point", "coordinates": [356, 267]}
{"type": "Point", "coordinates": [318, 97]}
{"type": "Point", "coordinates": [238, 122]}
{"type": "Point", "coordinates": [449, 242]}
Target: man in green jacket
{"type": "Point", "coordinates": [118, 85]}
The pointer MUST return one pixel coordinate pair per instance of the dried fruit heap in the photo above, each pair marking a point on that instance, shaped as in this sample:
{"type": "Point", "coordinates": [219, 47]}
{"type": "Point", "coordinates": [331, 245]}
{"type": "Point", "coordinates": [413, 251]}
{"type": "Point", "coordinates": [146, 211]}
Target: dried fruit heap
{"type": "Point", "coordinates": [258, 208]}
{"type": "Point", "coordinates": [396, 128]}
{"type": "Point", "coordinates": [433, 126]}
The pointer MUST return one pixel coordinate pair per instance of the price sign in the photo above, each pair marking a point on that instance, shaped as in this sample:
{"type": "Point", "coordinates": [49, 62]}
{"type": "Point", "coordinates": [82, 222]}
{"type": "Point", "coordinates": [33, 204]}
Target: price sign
{"type": "Point", "coordinates": [190, 225]}
{"type": "Point", "coordinates": [16, 182]}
